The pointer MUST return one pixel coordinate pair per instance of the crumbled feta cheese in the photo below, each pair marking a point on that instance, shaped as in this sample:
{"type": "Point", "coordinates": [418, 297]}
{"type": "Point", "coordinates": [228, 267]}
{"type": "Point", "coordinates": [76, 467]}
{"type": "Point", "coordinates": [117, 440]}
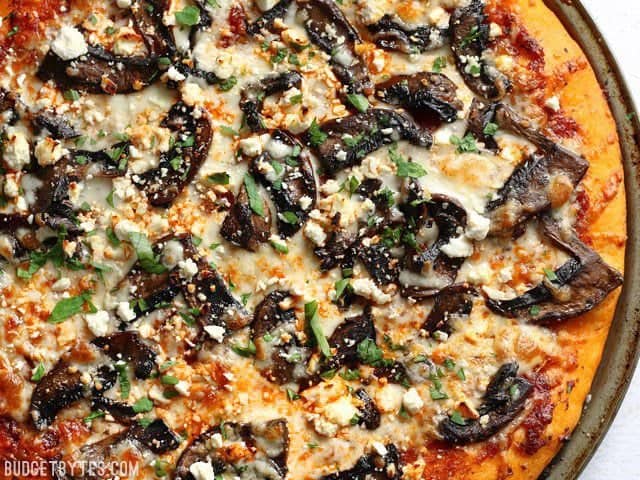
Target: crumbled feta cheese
{"type": "Point", "coordinates": [365, 287]}
{"type": "Point", "coordinates": [69, 43]}
{"type": "Point", "coordinates": [123, 3]}
{"type": "Point", "coordinates": [202, 471]}
{"type": "Point", "coordinates": [265, 5]}
{"type": "Point", "coordinates": [125, 312]}
{"type": "Point", "coordinates": [305, 202]}
{"type": "Point", "coordinates": [477, 226]}
{"type": "Point", "coordinates": [411, 401]}
{"type": "Point", "coordinates": [216, 332]}
{"type": "Point", "coordinates": [188, 268]}
{"type": "Point", "coordinates": [182, 387]}
{"type": "Point", "coordinates": [278, 149]}
{"type": "Point", "coordinates": [11, 187]}
{"type": "Point", "coordinates": [98, 322]}
{"type": "Point", "coordinates": [172, 253]}
{"type": "Point", "coordinates": [458, 247]}
{"type": "Point", "coordinates": [123, 188]}
{"type": "Point", "coordinates": [174, 74]}
{"type": "Point", "coordinates": [340, 412]}
{"type": "Point", "coordinates": [315, 233]}
{"type": "Point", "coordinates": [16, 153]}
{"type": "Point", "coordinates": [553, 103]}
{"type": "Point", "coordinates": [253, 146]}
{"type": "Point", "coordinates": [61, 284]}
{"type": "Point", "coordinates": [379, 448]}
{"type": "Point", "coordinates": [324, 427]}
{"type": "Point", "coordinates": [48, 151]}
{"type": "Point", "coordinates": [191, 93]}
{"type": "Point", "coordinates": [123, 228]}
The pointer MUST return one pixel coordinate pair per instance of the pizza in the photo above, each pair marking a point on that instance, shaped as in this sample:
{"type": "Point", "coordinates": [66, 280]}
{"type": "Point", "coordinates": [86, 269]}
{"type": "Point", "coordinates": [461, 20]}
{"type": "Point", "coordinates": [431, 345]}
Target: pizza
{"type": "Point", "coordinates": [305, 239]}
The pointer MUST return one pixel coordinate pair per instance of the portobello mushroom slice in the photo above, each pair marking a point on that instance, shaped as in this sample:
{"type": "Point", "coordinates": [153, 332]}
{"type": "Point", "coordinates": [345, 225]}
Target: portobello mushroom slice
{"type": "Point", "coordinates": [343, 142]}
{"type": "Point", "coordinates": [8, 107]}
{"type": "Point", "coordinates": [99, 71]}
{"type": "Point", "coordinates": [280, 356]}
{"type": "Point", "coordinates": [57, 125]}
{"type": "Point", "coordinates": [130, 347]}
{"type": "Point", "coordinates": [58, 389]}
{"type": "Point", "coordinates": [259, 450]}
{"type": "Point", "coordinates": [504, 399]}
{"type": "Point", "coordinates": [391, 33]}
{"type": "Point", "coordinates": [542, 181]}
{"type": "Point", "coordinates": [346, 338]}
{"type": "Point", "coordinates": [211, 297]}
{"type": "Point", "coordinates": [330, 30]}
{"type": "Point", "coordinates": [147, 19]}
{"type": "Point", "coordinates": [98, 456]}
{"type": "Point", "coordinates": [286, 172]}
{"type": "Point", "coordinates": [253, 95]}
{"type": "Point", "coordinates": [244, 226]}
{"type": "Point", "coordinates": [427, 269]}
{"type": "Point", "coordinates": [265, 21]}
{"type": "Point", "coordinates": [381, 265]}
{"type": "Point", "coordinates": [469, 39]}
{"type": "Point", "coordinates": [179, 165]}
{"type": "Point", "coordinates": [338, 248]}
{"type": "Point", "coordinates": [576, 287]}
{"type": "Point", "coordinates": [452, 301]}
{"type": "Point", "coordinates": [368, 413]}
{"type": "Point", "coordinates": [377, 465]}
{"type": "Point", "coordinates": [422, 92]}
{"type": "Point", "coordinates": [481, 115]}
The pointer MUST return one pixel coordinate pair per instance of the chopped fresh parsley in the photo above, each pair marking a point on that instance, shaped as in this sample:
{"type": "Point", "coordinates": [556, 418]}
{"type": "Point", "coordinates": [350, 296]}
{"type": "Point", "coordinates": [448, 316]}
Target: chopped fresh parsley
{"type": "Point", "coordinates": [188, 16]}
{"type": "Point", "coordinates": [438, 64]}
{"type": "Point", "coordinates": [68, 307]}
{"type": "Point", "coordinates": [71, 95]}
{"type": "Point", "coordinates": [311, 314]}
{"type": "Point", "coordinates": [550, 274]}
{"type": "Point", "coordinates": [93, 415]}
{"type": "Point", "coordinates": [245, 350]}
{"type": "Point", "coordinates": [169, 380]}
{"type": "Point", "coordinates": [227, 84]}
{"type": "Point", "coordinates": [143, 405]}
{"type": "Point", "coordinates": [456, 418]}
{"type": "Point", "coordinates": [359, 101]}
{"type": "Point", "coordinates": [123, 379]}
{"type": "Point", "coordinates": [219, 178]}
{"type": "Point", "coordinates": [289, 217]}
{"type": "Point", "coordinates": [466, 144]}
{"type": "Point", "coordinates": [369, 352]}
{"type": "Point", "coordinates": [38, 373]}
{"type": "Point", "coordinates": [406, 169]}
{"type": "Point", "coordinates": [534, 311]}
{"type": "Point", "coordinates": [255, 201]}
{"type": "Point", "coordinates": [316, 136]}
{"type": "Point", "coordinates": [490, 129]}
{"type": "Point", "coordinates": [149, 261]}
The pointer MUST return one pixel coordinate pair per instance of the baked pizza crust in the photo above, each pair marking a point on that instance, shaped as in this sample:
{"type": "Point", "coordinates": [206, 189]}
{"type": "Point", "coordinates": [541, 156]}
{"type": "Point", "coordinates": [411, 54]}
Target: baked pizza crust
{"type": "Point", "coordinates": [560, 390]}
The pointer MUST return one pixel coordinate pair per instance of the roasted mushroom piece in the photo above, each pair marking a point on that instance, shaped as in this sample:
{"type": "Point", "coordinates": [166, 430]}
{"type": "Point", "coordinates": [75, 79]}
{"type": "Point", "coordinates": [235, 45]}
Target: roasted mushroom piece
{"type": "Point", "coordinates": [265, 21]}
{"type": "Point", "coordinates": [427, 269]}
{"type": "Point", "coordinates": [57, 125]}
{"type": "Point", "coordinates": [504, 399]}
{"type": "Point", "coordinates": [330, 30]}
{"type": "Point", "coordinates": [380, 464]}
{"type": "Point", "coordinates": [346, 338]}
{"type": "Point", "coordinates": [421, 93]}
{"type": "Point", "coordinates": [253, 95]}
{"type": "Point", "coordinates": [211, 297]}
{"type": "Point", "coordinates": [381, 265]}
{"type": "Point", "coordinates": [147, 19]}
{"type": "Point", "coordinates": [99, 71]}
{"type": "Point", "coordinates": [98, 458]}
{"type": "Point", "coordinates": [391, 33]}
{"type": "Point", "coordinates": [130, 347]}
{"type": "Point", "coordinates": [58, 389]}
{"type": "Point", "coordinates": [8, 107]}
{"type": "Point", "coordinates": [542, 181]}
{"type": "Point", "coordinates": [368, 413]}
{"type": "Point", "coordinates": [337, 249]}
{"type": "Point", "coordinates": [481, 116]}
{"type": "Point", "coordinates": [179, 165]}
{"type": "Point", "coordinates": [451, 301]}
{"type": "Point", "coordinates": [286, 172]}
{"type": "Point", "coordinates": [469, 38]}
{"type": "Point", "coordinates": [343, 142]}
{"type": "Point", "coordinates": [248, 223]}
{"type": "Point", "coordinates": [259, 450]}
{"type": "Point", "coordinates": [280, 356]}
{"type": "Point", "coordinates": [576, 287]}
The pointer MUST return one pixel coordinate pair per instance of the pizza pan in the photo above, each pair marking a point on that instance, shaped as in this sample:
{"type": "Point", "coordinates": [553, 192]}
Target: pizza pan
{"type": "Point", "coordinates": [623, 344]}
